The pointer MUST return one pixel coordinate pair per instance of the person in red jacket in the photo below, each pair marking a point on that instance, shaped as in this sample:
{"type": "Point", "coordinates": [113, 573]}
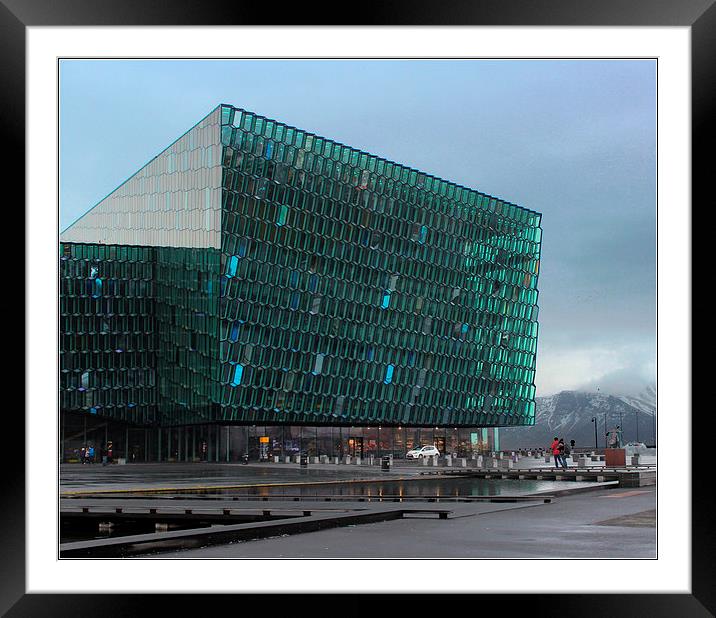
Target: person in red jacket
{"type": "Point", "coordinates": [554, 447]}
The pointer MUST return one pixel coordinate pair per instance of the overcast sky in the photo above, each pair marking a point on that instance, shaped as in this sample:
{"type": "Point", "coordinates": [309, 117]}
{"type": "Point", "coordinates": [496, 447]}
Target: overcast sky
{"type": "Point", "coordinates": [572, 139]}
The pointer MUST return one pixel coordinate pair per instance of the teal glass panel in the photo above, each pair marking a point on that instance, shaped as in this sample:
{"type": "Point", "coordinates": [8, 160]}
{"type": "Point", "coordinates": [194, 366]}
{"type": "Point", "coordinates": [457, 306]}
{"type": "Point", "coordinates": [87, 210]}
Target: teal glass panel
{"type": "Point", "coordinates": [282, 214]}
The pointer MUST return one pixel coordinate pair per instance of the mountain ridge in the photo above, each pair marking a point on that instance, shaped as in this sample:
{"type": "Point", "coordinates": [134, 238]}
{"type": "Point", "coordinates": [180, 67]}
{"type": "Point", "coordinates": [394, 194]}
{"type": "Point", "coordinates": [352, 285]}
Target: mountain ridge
{"type": "Point", "coordinates": [568, 414]}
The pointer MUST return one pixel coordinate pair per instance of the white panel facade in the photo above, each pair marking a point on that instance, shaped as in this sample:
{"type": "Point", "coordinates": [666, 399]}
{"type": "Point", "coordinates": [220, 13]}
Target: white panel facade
{"type": "Point", "coordinates": [173, 201]}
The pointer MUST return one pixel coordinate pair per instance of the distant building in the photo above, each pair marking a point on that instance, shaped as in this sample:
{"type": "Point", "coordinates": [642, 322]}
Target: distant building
{"type": "Point", "coordinates": [255, 281]}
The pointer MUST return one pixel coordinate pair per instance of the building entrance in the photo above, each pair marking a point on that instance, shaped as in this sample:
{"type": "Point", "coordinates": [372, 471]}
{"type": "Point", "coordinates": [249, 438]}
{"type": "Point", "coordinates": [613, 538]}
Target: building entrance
{"type": "Point", "coordinates": [355, 447]}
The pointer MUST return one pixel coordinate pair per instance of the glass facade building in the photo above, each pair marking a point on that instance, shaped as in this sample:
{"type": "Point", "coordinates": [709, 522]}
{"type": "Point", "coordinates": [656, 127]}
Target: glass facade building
{"type": "Point", "coordinates": [255, 274]}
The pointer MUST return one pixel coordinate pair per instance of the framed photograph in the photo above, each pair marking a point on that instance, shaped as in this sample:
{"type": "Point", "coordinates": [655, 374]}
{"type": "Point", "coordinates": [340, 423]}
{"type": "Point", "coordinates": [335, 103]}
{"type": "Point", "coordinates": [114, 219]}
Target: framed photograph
{"type": "Point", "coordinates": [106, 61]}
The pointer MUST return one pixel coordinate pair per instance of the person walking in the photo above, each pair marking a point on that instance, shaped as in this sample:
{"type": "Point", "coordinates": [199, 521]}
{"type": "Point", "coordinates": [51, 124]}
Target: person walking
{"type": "Point", "coordinates": [562, 456]}
{"type": "Point", "coordinates": [91, 454]}
{"type": "Point", "coordinates": [554, 448]}
{"type": "Point", "coordinates": [566, 452]}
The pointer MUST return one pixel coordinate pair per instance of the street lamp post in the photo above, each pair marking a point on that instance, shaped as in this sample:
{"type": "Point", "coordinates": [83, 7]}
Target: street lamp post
{"type": "Point", "coordinates": [605, 430]}
{"type": "Point", "coordinates": [594, 420]}
{"type": "Point", "coordinates": [637, 425]}
{"type": "Point", "coordinates": [605, 424]}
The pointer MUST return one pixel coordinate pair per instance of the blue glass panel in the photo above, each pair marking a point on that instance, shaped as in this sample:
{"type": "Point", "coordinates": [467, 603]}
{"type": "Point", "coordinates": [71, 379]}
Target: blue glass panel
{"type": "Point", "coordinates": [386, 300]}
{"type": "Point", "coordinates": [231, 266]}
{"type": "Point", "coordinates": [238, 372]}
{"type": "Point", "coordinates": [234, 335]}
{"type": "Point", "coordinates": [389, 374]}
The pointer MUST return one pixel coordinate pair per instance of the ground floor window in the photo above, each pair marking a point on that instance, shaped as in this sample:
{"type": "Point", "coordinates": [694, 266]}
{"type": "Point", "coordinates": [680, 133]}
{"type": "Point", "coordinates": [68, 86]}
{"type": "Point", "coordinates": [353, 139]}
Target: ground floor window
{"type": "Point", "coordinates": [230, 443]}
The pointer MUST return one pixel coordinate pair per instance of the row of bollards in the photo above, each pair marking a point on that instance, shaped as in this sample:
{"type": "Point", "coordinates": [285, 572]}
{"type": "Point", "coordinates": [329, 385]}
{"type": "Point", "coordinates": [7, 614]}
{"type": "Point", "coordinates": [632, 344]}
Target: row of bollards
{"type": "Point", "coordinates": [493, 460]}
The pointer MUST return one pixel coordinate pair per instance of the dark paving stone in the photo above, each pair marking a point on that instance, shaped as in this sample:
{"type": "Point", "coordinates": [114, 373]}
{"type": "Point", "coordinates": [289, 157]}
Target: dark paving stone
{"type": "Point", "coordinates": [645, 518]}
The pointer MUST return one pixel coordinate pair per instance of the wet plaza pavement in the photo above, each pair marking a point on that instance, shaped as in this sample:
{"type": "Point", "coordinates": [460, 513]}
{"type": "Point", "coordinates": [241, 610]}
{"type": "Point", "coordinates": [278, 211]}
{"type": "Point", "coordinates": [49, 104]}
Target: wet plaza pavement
{"type": "Point", "coordinates": [590, 525]}
{"type": "Point", "coordinates": [252, 478]}
{"type": "Point", "coordinates": [95, 477]}
{"type": "Point", "coordinates": [569, 525]}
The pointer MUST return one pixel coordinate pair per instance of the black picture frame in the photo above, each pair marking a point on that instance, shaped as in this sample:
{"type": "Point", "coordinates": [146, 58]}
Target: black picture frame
{"type": "Point", "coordinates": [699, 15]}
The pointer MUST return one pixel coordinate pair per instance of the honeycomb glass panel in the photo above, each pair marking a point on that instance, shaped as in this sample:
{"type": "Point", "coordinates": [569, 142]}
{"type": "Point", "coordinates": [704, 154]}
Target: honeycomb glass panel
{"type": "Point", "coordinates": [257, 273]}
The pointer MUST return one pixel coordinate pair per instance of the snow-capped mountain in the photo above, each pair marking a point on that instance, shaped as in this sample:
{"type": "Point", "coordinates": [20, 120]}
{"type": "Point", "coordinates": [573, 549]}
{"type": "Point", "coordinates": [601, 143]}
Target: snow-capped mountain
{"type": "Point", "coordinates": [645, 401]}
{"type": "Point", "coordinates": [569, 415]}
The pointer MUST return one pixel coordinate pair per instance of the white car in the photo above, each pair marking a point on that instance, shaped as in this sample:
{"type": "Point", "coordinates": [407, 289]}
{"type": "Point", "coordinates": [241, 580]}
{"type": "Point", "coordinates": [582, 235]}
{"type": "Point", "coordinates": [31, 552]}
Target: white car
{"type": "Point", "coordinates": [422, 451]}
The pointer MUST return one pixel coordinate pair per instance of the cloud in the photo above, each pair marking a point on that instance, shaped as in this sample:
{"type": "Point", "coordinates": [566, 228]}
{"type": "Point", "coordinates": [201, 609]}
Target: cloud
{"type": "Point", "coordinates": [622, 369]}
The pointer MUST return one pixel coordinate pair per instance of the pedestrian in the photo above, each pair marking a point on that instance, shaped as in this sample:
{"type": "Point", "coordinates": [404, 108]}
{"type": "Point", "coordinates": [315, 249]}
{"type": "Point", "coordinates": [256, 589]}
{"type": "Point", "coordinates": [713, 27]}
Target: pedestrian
{"type": "Point", "coordinates": [91, 454]}
{"type": "Point", "coordinates": [103, 454]}
{"type": "Point", "coordinates": [566, 452]}
{"type": "Point", "coordinates": [83, 455]}
{"type": "Point", "coordinates": [560, 448]}
{"type": "Point", "coordinates": [554, 448]}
